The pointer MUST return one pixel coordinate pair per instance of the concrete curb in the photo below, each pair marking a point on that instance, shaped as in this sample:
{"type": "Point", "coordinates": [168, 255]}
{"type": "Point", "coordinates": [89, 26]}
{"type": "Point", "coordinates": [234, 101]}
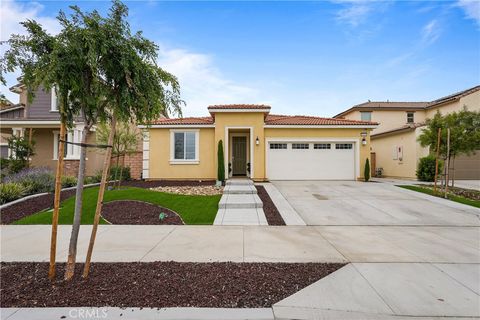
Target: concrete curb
{"type": "Point", "coordinates": [289, 215]}
{"type": "Point", "coordinates": [137, 313]}
{"type": "Point", "coordinates": [445, 202]}
{"type": "Point", "coordinates": [44, 193]}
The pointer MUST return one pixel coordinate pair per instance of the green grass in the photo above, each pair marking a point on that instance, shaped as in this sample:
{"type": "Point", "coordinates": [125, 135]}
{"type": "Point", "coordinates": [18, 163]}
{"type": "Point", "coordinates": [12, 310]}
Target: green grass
{"type": "Point", "coordinates": [192, 209]}
{"type": "Point", "coordinates": [459, 199]}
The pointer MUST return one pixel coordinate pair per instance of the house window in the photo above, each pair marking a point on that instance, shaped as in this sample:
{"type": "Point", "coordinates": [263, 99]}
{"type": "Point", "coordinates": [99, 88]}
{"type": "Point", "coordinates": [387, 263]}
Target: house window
{"type": "Point", "coordinates": [322, 146]}
{"type": "Point", "coordinates": [300, 145]}
{"type": "Point", "coordinates": [343, 146]}
{"type": "Point", "coordinates": [366, 115]}
{"type": "Point", "coordinates": [410, 117]}
{"type": "Point", "coordinates": [184, 146]}
{"type": "Point", "coordinates": [54, 100]}
{"type": "Point", "coordinates": [278, 146]}
{"type": "Point", "coordinates": [70, 151]}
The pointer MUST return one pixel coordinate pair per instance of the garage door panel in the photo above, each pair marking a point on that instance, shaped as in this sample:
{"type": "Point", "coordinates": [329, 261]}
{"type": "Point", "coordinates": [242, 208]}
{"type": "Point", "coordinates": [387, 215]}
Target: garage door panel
{"type": "Point", "coordinates": [310, 164]}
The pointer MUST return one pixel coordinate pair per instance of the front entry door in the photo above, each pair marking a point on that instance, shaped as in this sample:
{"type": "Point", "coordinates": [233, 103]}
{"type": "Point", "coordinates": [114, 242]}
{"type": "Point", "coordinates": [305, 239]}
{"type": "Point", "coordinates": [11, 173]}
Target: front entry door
{"type": "Point", "coordinates": [239, 156]}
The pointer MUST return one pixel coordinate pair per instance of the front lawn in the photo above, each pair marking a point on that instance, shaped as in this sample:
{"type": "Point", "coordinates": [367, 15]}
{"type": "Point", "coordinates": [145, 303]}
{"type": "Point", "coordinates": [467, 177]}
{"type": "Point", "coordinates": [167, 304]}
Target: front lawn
{"type": "Point", "coordinates": [192, 209]}
{"type": "Point", "coordinates": [453, 197]}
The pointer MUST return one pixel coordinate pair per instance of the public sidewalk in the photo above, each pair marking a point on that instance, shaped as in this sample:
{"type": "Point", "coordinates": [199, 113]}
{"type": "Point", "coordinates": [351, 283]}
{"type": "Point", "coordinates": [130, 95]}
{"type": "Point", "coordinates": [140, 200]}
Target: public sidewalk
{"type": "Point", "coordinates": [250, 243]}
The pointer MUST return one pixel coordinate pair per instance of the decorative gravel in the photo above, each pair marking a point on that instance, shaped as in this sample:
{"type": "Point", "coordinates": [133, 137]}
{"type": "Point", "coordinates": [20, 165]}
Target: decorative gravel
{"type": "Point", "coordinates": [138, 212]}
{"type": "Point", "coordinates": [271, 212]}
{"type": "Point", "coordinates": [158, 284]}
{"type": "Point", "coordinates": [191, 190]}
{"type": "Point", "coordinates": [166, 183]}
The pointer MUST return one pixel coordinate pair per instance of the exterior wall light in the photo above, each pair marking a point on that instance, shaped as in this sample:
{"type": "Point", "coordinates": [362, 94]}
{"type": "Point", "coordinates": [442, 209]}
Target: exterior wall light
{"type": "Point", "coordinates": [257, 141]}
{"type": "Point", "coordinates": [364, 136]}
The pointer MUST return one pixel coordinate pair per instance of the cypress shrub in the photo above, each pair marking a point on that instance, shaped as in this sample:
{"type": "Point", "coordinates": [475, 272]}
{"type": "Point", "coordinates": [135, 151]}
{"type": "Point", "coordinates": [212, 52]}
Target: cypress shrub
{"type": "Point", "coordinates": [221, 162]}
{"type": "Point", "coordinates": [366, 173]}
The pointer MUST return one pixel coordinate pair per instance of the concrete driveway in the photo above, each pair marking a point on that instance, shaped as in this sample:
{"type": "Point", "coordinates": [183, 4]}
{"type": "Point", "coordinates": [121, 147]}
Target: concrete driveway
{"type": "Point", "coordinates": [363, 204]}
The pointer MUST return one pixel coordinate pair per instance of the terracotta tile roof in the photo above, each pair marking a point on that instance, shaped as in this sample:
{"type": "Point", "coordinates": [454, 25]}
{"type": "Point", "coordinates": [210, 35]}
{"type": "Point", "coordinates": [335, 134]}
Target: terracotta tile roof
{"type": "Point", "coordinates": [240, 106]}
{"type": "Point", "coordinates": [273, 119]}
{"type": "Point", "coordinates": [185, 121]}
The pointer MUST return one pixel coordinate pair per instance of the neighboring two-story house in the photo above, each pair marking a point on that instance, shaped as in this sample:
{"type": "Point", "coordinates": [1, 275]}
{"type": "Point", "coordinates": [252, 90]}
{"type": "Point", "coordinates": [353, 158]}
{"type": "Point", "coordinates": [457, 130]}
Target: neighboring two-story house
{"type": "Point", "coordinates": [39, 120]}
{"type": "Point", "coordinates": [394, 144]}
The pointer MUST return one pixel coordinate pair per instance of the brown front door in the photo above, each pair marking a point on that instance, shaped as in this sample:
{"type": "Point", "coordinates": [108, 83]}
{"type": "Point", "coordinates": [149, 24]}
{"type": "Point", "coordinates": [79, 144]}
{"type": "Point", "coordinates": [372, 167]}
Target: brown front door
{"type": "Point", "coordinates": [239, 156]}
{"type": "Point", "coordinates": [373, 166]}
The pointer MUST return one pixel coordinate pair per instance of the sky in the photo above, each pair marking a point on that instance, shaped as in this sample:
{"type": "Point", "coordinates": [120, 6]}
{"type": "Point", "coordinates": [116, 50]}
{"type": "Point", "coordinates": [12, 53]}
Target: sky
{"type": "Point", "coordinates": [302, 58]}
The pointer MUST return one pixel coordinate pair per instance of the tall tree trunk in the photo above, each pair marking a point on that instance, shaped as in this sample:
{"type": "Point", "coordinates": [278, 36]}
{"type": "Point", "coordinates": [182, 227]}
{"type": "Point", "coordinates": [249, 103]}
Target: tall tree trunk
{"type": "Point", "coordinates": [101, 192]}
{"type": "Point", "coordinates": [115, 182]}
{"type": "Point", "coordinates": [29, 144]}
{"type": "Point", "coordinates": [453, 170]}
{"type": "Point", "coordinates": [56, 203]}
{"type": "Point", "coordinates": [448, 163]}
{"type": "Point", "coordinates": [121, 172]}
{"type": "Point", "coordinates": [436, 160]}
{"type": "Point", "coordinates": [72, 249]}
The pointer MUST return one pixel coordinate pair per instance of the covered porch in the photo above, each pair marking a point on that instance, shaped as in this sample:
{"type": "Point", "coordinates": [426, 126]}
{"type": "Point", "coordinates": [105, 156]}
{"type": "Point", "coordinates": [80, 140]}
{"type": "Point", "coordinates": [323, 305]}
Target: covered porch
{"type": "Point", "coordinates": [239, 152]}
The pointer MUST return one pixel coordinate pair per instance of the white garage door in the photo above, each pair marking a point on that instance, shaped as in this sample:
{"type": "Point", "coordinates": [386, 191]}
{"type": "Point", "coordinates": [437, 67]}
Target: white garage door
{"type": "Point", "coordinates": [310, 160]}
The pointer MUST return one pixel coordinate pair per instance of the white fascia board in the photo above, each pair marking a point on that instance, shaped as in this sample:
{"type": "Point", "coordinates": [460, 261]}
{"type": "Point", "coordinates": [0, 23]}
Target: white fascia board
{"type": "Point", "coordinates": [356, 126]}
{"type": "Point", "coordinates": [238, 110]}
{"type": "Point", "coordinates": [177, 126]}
{"type": "Point", "coordinates": [11, 109]}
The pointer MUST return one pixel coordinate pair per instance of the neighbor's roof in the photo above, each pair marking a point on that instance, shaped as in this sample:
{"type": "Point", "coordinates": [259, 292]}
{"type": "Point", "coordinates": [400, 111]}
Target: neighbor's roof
{"type": "Point", "coordinates": [273, 119]}
{"type": "Point", "coordinates": [407, 127]}
{"type": "Point", "coordinates": [184, 121]}
{"type": "Point", "coordinates": [453, 97]}
{"type": "Point", "coordinates": [385, 105]}
{"type": "Point", "coordinates": [239, 106]}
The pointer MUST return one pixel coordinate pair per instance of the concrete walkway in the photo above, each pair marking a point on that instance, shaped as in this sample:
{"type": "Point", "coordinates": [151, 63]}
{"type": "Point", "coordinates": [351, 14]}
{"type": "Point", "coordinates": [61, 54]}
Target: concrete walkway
{"type": "Point", "coordinates": [251, 243]}
{"type": "Point", "coordinates": [240, 205]}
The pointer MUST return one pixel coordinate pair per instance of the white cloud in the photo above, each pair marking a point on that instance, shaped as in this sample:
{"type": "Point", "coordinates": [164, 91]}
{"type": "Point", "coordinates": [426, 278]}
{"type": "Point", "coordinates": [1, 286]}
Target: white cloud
{"type": "Point", "coordinates": [201, 82]}
{"type": "Point", "coordinates": [355, 13]}
{"type": "Point", "coordinates": [11, 14]}
{"type": "Point", "coordinates": [471, 9]}
{"type": "Point", "coordinates": [431, 32]}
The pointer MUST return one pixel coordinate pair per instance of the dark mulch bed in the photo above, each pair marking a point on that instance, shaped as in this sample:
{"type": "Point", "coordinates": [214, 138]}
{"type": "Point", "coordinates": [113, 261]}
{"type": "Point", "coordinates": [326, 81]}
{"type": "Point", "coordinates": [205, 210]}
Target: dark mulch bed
{"type": "Point", "coordinates": [25, 208]}
{"type": "Point", "coordinates": [138, 212]}
{"type": "Point", "coordinates": [159, 284]}
{"type": "Point", "coordinates": [166, 183]}
{"type": "Point", "coordinates": [271, 212]}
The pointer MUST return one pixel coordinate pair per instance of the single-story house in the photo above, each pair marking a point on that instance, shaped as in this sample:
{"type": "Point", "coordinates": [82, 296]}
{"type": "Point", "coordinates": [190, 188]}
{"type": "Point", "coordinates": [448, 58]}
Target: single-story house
{"type": "Point", "coordinates": [257, 144]}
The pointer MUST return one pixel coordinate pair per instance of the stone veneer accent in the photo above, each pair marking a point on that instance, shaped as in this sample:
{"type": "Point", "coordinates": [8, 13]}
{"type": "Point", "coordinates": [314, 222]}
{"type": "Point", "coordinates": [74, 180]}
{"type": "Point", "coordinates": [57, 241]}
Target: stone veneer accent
{"type": "Point", "coordinates": [134, 161]}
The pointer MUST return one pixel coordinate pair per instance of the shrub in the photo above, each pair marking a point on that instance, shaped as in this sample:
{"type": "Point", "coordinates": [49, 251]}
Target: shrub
{"type": "Point", "coordinates": [221, 162]}
{"type": "Point", "coordinates": [35, 180]}
{"type": "Point", "coordinates": [11, 191]}
{"type": "Point", "coordinates": [426, 168]}
{"type": "Point", "coordinates": [69, 181]}
{"type": "Point", "coordinates": [115, 173]}
{"type": "Point", "coordinates": [366, 173]}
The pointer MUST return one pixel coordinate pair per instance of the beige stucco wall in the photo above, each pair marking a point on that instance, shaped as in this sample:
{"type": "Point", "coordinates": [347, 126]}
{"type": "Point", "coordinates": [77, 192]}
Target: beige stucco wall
{"type": "Point", "coordinates": [254, 121]}
{"type": "Point", "coordinates": [472, 102]}
{"type": "Point", "coordinates": [388, 119]}
{"type": "Point", "coordinates": [412, 152]}
{"type": "Point", "coordinates": [159, 162]}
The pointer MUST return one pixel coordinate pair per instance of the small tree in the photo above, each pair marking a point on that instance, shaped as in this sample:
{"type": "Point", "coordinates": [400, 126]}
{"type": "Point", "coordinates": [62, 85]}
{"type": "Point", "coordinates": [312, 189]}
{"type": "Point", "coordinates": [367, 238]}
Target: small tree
{"type": "Point", "coordinates": [366, 172]}
{"type": "Point", "coordinates": [221, 162]}
{"type": "Point", "coordinates": [125, 141]}
{"type": "Point", "coordinates": [21, 149]}
{"type": "Point", "coordinates": [426, 168]}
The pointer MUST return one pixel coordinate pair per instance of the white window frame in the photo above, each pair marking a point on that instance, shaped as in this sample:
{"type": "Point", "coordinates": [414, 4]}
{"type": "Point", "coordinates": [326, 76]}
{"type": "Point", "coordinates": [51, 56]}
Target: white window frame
{"type": "Point", "coordinates": [73, 151]}
{"type": "Point", "coordinates": [300, 146]}
{"type": "Point", "coordinates": [172, 147]}
{"type": "Point", "coordinates": [53, 100]}
{"type": "Point", "coordinates": [413, 117]}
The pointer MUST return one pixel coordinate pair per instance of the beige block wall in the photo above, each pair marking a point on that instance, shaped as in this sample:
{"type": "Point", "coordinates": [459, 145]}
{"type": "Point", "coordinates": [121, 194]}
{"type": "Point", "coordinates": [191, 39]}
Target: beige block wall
{"type": "Point", "coordinates": [325, 133]}
{"type": "Point", "coordinates": [159, 162]}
